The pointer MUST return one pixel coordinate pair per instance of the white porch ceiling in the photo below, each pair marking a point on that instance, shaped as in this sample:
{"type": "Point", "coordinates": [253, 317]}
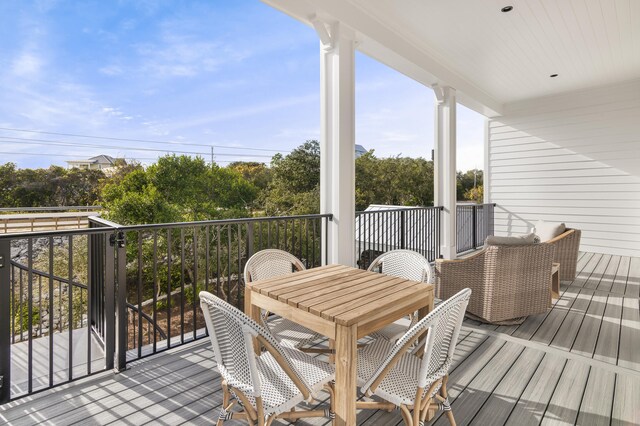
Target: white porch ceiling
{"type": "Point", "coordinates": [492, 58]}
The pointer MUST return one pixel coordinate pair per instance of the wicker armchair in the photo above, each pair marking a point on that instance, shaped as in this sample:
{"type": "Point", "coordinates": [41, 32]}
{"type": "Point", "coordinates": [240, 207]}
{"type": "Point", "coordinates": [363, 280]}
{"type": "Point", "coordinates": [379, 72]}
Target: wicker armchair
{"type": "Point", "coordinates": [508, 282]}
{"type": "Point", "coordinates": [567, 246]}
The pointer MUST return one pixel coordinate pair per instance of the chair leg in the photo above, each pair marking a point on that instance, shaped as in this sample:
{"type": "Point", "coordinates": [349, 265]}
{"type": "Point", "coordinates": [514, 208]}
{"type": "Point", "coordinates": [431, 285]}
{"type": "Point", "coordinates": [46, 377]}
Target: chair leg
{"type": "Point", "coordinates": [406, 415]}
{"type": "Point", "coordinates": [446, 407]}
{"type": "Point", "coordinates": [332, 402]}
{"type": "Point", "coordinates": [226, 405]}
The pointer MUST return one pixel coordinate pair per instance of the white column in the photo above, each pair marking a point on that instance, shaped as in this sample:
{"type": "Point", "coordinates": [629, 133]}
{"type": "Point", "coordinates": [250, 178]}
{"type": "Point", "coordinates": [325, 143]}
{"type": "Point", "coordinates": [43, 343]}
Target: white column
{"type": "Point", "coordinates": [486, 174]}
{"type": "Point", "coordinates": [445, 167]}
{"type": "Point", "coordinates": [337, 140]}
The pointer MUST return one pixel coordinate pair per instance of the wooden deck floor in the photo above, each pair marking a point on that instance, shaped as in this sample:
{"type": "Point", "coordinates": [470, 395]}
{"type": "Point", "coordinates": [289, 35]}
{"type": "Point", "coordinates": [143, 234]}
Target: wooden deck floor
{"type": "Point", "coordinates": [577, 364]}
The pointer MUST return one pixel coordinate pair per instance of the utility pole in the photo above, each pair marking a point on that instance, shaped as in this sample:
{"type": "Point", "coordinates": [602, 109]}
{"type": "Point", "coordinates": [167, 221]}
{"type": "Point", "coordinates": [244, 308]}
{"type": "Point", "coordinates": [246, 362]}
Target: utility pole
{"type": "Point", "coordinates": [212, 158]}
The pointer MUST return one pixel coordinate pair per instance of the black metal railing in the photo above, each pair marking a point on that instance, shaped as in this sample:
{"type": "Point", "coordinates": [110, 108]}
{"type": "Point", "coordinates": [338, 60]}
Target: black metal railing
{"type": "Point", "coordinates": [49, 209]}
{"type": "Point", "coordinates": [167, 265]}
{"type": "Point", "coordinates": [45, 332]}
{"type": "Point", "coordinates": [125, 291]}
{"type": "Point", "coordinates": [474, 223]}
{"type": "Point", "coordinates": [411, 228]}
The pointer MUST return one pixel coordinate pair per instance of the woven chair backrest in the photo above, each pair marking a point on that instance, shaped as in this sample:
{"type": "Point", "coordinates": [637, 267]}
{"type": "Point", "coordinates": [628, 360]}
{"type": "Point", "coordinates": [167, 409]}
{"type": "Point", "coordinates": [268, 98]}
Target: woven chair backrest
{"type": "Point", "coordinates": [442, 326]}
{"type": "Point", "coordinates": [406, 264]}
{"type": "Point", "coordinates": [443, 335]}
{"type": "Point", "coordinates": [270, 263]}
{"type": "Point", "coordinates": [232, 333]}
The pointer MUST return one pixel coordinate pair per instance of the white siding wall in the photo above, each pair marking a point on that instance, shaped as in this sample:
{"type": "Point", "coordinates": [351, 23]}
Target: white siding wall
{"type": "Point", "coordinates": [573, 158]}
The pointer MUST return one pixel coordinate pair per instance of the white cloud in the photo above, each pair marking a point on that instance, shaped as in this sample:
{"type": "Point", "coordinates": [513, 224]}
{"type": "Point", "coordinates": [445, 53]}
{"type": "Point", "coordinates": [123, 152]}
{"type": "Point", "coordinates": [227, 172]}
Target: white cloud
{"type": "Point", "coordinates": [27, 64]}
{"type": "Point", "coordinates": [111, 70]}
{"type": "Point", "coordinates": [232, 114]}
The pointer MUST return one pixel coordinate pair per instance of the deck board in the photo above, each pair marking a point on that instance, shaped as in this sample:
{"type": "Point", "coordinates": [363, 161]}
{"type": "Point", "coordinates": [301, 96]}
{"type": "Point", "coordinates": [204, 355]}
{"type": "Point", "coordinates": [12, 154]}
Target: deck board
{"type": "Point", "coordinates": [567, 396]}
{"type": "Point", "coordinates": [469, 403]}
{"type": "Point", "coordinates": [505, 396]}
{"type": "Point", "coordinates": [609, 335]}
{"type": "Point", "coordinates": [597, 401]}
{"type": "Point", "coordinates": [576, 364]}
{"type": "Point", "coordinates": [587, 337]}
{"type": "Point", "coordinates": [626, 410]}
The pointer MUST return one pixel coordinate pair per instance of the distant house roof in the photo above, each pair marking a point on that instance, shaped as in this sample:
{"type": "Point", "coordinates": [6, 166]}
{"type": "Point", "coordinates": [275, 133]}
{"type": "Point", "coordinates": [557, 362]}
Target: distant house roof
{"type": "Point", "coordinates": [103, 159]}
{"type": "Point", "coordinates": [360, 150]}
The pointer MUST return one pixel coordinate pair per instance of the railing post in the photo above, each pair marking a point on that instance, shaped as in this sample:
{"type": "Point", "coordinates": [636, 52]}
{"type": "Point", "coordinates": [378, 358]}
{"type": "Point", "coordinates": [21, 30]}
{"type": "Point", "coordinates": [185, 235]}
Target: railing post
{"type": "Point", "coordinates": [250, 240]}
{"type": "Point", "coordinates": [492, 218]}
{"type": "Point", "coordinates": [121, 301]}
{"type": "Point", "coordinates": [109, 302]}
{"type": "Point", "coordinates": [403, 229]}
{"type": "Point", "coordinates": [96, 279]}
{"type": "Point", "coordinates": [474, 226]}
{"type": "Point", "coordinates": [5, 320]}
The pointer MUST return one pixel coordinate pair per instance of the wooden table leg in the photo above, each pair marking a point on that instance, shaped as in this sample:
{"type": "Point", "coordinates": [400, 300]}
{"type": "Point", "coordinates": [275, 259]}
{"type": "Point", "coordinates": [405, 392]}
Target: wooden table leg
{"type": "Point", "coordinates": [252, 312]}
{"type": "Point", "coordinates": [424, 311]}
{"type": "Point", "coordinates": [346, 364]}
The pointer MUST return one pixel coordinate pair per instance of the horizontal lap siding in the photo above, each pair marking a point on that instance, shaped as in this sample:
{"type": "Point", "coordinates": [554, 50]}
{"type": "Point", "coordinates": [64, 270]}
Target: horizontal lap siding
{"type": "Point", "coordinates": [573, 158]}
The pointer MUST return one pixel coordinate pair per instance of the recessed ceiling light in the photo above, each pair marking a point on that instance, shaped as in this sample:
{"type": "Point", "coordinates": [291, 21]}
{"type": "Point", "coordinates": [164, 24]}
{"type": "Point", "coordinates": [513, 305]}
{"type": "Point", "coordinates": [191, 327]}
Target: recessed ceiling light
{"type": "Point", "coordinates": [506, 9]}
{"type": "Point", "coordinates": [553, 75]}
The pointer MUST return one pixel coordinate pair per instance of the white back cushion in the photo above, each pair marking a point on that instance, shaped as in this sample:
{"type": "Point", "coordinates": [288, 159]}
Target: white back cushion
{"type": "Point", "coordinates": [548, 230]}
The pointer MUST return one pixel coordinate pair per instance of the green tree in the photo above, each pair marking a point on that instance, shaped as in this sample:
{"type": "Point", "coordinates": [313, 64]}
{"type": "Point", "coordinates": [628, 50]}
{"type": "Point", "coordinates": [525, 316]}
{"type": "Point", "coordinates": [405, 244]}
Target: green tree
{"type": "Point", "coordinates": [8, 182]}
{"type": "Point", "coordinates": [177, 188]}
{"type": "Point", "coordinates": [401, 181]}
{"type": "Point", "coordinates": [475, 194]}
{"type": "Point", "coordinates": [466, 181]}
{"type": "Point", "coordinates": [230, 190]}
{"type": "Point", "coordinates": [256, 173]}
{"type": "Point", "coordinates": [295, 186]}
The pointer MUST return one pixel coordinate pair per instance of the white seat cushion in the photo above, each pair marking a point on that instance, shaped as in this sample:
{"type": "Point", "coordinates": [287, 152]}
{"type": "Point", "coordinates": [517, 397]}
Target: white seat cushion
{"type": "Point", "coordinates": [520, 240]}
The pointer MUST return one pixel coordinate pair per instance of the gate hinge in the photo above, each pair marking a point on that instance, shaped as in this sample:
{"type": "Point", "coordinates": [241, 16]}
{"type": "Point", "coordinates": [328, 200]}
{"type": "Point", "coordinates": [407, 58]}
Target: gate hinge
{"type": "Point", "coordinates": [1, 381]}
{"type": "Point", "coordinates": [117, 238]}
{"type": "Point", "coordinates": [1, 265]}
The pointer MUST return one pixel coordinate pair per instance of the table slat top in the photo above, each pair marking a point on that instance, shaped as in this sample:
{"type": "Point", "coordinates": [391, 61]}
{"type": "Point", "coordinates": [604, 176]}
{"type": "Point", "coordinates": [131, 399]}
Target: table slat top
{"type": "Point", "coordinates": [343, 294]}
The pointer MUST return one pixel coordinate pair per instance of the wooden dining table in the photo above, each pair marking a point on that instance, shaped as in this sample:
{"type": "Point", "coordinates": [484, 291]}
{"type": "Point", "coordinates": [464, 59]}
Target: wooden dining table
{"type": "Point", "coordinates": [344, 304]}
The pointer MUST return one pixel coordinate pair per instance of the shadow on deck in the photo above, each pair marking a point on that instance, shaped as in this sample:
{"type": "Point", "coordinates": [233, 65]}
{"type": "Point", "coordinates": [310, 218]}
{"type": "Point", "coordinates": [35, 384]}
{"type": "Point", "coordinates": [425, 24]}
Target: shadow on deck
{"type": "Point", "coordinates": [577, 364]}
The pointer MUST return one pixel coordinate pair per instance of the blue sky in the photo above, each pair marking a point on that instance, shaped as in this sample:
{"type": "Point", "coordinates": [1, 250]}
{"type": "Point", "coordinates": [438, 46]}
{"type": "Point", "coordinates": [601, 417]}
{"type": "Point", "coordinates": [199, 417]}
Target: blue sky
{"type": "Point", "coordinates": [235, 74]}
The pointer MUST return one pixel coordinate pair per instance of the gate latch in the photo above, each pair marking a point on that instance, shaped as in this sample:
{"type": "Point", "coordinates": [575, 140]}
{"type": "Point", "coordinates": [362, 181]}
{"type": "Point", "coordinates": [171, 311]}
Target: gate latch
{"type": "Point", "coordinates": [117, 239]}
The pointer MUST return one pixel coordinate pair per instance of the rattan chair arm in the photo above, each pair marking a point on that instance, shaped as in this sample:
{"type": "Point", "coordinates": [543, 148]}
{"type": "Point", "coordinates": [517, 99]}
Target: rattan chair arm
{"type": "Point", "coordinates": [456, 261]}
{"type": "Point", "coordinates": [568, 233]}
{"type": "Point", "coordinates": [286, 366]}
{"type": "Point", "coordinates": [567, 246]}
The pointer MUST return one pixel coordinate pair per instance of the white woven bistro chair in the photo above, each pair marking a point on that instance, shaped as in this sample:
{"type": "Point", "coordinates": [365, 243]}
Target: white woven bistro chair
{"type": "Point", "coordinates": [406, 264]}
{"type": "Point", "coordinates": [272, 263]}
{"type": "Point", "coordinates": [414, 379]}
{"type": "Point", "coordinates": [266, 386]}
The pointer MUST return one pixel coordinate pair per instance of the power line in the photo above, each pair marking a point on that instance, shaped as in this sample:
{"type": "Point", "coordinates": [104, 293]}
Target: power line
{"type": "Point", "coordinates": [28, 141]}
{"type": "Point", "coordinates": [26, 154]}
{"type": "Point", "coordinates": [138, 140]}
